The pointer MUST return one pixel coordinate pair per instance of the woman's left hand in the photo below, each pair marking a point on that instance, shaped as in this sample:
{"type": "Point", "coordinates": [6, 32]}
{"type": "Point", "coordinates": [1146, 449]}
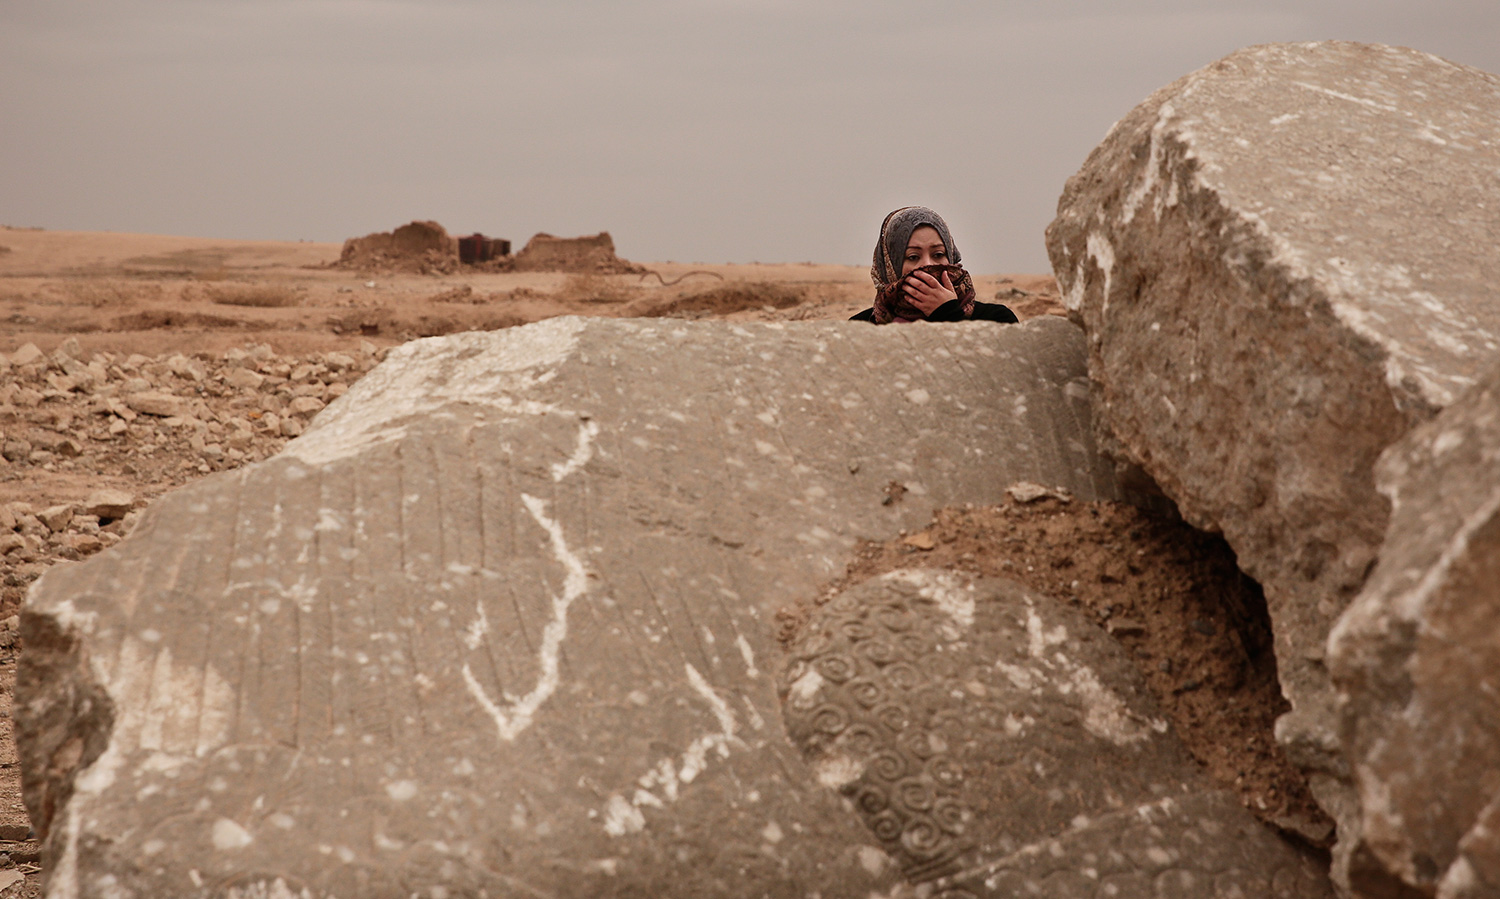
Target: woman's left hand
{"type": "Point", "coordinates": [928, 293]}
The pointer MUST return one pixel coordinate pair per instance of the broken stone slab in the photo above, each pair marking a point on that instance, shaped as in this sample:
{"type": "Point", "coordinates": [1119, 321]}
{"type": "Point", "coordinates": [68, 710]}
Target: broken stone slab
{"type": "Point", "coordinates": [108, 503]}
{"type": "Point", "coordinates": [152, 402]}
{"type": "Point", "coordinates": [994, 741]}
{"type": "Point", "coordinates": [1281, 270]}
{"type": "Point", "coordinates": [503, 619]}
{"type": "Point", "coordinates": [1417, 661]}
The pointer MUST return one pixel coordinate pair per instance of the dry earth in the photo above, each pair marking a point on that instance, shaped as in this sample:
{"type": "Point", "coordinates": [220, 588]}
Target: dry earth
{"type": "Point", "coordinates": [135, 363]}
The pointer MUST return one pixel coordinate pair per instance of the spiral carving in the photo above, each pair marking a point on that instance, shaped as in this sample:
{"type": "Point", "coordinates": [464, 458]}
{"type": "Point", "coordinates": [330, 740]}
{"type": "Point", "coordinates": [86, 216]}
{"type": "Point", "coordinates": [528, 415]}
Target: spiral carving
{"type": "Point", "coordinates": [922, 838]}
{"type": "Point", "coordinates": [893, 715]}
{"type": "Point", "coordinates": [829, 719]}
{"type": "Point", "coordinates": [915, 794]}
{"type": "Point", "coordinates": [866, 692]}
{"type": "Point", "coordinates": [844, 603]}
{"type": "Point", "coordinates": [896, 618]}
{"type": "Point", "coordinates": [886, 826]}
{"type": "Point", "coordinates": [837, 667]}
{"type": "Point", "coordinates": [881, 652]}
{"type": "Point", "coordinates": [888, 766]}
{"type": "Point", "coordinates": [945, 770]}
{"type": "Point", "coordinates": [903, 676]}
{"type": "Point", "coordinates": [872, 800]}
{"type": "Point", "coordinates": [885, 702]}
{"type": "Point", "coordinates": [949, 814]}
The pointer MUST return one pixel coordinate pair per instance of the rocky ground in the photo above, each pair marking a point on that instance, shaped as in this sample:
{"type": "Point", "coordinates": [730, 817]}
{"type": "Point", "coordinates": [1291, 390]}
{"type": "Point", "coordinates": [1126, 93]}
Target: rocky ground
{"type": "Point", "coordinates": [96, 422]}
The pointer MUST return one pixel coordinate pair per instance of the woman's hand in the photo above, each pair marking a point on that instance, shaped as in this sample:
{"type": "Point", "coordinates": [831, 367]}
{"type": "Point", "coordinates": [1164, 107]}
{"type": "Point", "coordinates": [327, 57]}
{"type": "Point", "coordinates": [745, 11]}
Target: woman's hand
{"type": "Point", "coordinates": [928, 293]}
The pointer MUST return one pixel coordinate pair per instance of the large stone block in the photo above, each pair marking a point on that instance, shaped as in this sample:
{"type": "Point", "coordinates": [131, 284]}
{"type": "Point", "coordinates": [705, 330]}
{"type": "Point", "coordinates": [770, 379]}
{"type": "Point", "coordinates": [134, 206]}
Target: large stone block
{"type": "Point", "coordinates": [1417, 659]}
{"type": "Point", "coordinates": [501, 622]}
{"type": "Point", "coordinates": [997, 743]}
{"type": "Point", "coordinates": [1284, 262]}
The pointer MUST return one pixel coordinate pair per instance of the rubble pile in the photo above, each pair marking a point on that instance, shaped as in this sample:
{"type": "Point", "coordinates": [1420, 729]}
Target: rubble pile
{"type": "Point", "coordinates": [159, 420]}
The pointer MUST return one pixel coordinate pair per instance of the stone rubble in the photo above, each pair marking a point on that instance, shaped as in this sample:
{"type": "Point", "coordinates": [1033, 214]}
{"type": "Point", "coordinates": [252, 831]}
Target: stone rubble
{"type": "Point", "coordinates": [165, 419]}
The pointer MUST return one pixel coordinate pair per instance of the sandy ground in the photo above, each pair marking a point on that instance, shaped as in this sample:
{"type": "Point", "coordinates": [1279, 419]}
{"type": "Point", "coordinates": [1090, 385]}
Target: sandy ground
{"type": "Point", "coordinates": [149, 306]}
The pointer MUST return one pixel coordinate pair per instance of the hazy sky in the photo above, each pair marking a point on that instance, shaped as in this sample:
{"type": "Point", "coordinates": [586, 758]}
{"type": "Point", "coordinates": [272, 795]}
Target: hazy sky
{"type": "Point", "coordinates": [713, 131]}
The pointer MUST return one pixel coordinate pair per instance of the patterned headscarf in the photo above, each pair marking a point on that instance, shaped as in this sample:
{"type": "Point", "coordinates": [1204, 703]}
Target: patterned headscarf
{"type": "Point", "coordinates": [890, 254]}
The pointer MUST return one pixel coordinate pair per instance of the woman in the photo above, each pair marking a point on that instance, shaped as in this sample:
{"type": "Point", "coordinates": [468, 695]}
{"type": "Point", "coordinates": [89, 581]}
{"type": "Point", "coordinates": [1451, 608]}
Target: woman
{"type": "Point", "coordinates": [917, 274]}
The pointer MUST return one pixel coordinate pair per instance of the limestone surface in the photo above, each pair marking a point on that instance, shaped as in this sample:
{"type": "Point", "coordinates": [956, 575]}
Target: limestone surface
{"type": "Point", "coordinates": [997, 743]}
{"type": "Point", "coordinates": [500, 621]}
{"type": "Point", "coordinates": [1284, 262]}
{"type": "Point", "coordinates": [1417, 660]}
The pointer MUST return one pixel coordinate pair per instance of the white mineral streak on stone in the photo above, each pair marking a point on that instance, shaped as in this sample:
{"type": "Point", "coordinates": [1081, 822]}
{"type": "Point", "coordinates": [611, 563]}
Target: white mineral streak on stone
{"type": "Point", "coordinates": [1151, 177]}
{"type": "Point", "coordinates": [952, 595]}
{"type": "Point", "coordinates": [587, 431]}
{"type": "Point", "coordinates": [517, 716]}
{"type": "Point", "coordinates": [480, 368]}
{"type": "Point", "coordinates": [671, 774]}
{"type": "Point", "coordinates": [836, 771]}
{"type": "Point", "coordinates": [1103, 254]}
{"type": "Point", "coordinates": [1343, 96]}
{"type": "Point", "coordinates": [747, 654]}
{"type": "Point", "coordinates": [806, 687]}
{"type": "Point", "coordinates": [1105, 714]}
{"type": "Point", "coordinates": [695, 759]}
{"type": "Point", "coordinates": [1038, 638]}
{"type": "Point", "coordinates": [620, 817]}
{"type": "Point", "coordinates": [275, 889]}
{"type": "Point", "coordinates": [475, 633]}
{"type": "Point", "coordinates": [228, 834]}
{"type": "Point", "coordinates": [401, 790]}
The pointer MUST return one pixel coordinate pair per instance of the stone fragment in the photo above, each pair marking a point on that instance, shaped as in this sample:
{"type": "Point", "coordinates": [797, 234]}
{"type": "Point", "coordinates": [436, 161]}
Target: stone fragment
{"type": "Point", "coordinates": [502, 620]}
{"type": "Point", "coordinates": [243, 379]}
{"type": "Point", "coordinates": [108, 503]}
{"type": "Point", "coordinates": [1281, 269]}
{"type": "Point", "coordinates": [150, 402]}
{"type": "Point", "coordinates": [973, 724]}
{"type": "Point", "coordinates": [56, 517]}
{"type": "Point", "coordinates": [1027, 492]}
{"type": "Point", "coordinates": [28, 354]}
{"type": "Point", "coordinates": [11, 542]}
{"type": "Point", "coordinates": [305, 405]}
{"type": "Point", "coordinates": [1417, 658]}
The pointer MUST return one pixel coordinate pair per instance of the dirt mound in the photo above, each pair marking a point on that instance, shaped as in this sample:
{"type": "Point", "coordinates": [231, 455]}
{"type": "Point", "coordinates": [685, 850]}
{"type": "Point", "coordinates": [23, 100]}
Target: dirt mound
{"type": "Point", "coordinates": [422, 247]}
{"type": "Point", "coordinates": [735, 297]}
{"type": "Point", "coordinates": [594, 255]}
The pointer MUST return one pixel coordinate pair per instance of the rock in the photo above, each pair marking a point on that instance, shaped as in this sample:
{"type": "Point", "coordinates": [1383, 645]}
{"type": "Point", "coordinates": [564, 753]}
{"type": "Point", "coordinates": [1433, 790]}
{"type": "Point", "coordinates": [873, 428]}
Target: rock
{"type": "Point", "coordinates": [991, 737]}
{"type": "Point", "coordinates": [28, 354]}
{"type": "Point", "coordinates": [150, 402]}
{"type": "Point", "coordinates": [1281, 270]}
{"type": "Point", "coordinates": [56, 517]}
{"type": "Point", "coordinates": [305, 405]}
{"type": "Point", "coordinates": [243, 379]}
{"type": "Point", "coordinates": [1417, 658]}
{"type": "Point", "coordinates": [1027, 492]}
{"type": "Point", "coordinates": [108, 503]}
{"type": "Point", "coordinates": [502, 620]}
{"type": "Point", "coordinates": [11, 542]}
{"type": "Point", "coordinates": [68, 350]}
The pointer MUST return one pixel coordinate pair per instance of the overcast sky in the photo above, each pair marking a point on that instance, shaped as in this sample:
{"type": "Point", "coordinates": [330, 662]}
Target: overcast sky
{"type": "Point", "coordinates": [692, 130]}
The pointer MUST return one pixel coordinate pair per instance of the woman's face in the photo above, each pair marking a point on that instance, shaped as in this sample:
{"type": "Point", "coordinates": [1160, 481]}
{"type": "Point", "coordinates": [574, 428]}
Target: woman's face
{"type": "Point", "coordinates": [924, 248]}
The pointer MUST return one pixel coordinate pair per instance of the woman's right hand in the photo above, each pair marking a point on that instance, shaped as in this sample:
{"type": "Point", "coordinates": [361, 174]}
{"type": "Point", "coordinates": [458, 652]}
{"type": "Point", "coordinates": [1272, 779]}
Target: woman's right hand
{"type": "Point", "coordinates": [927, 293]}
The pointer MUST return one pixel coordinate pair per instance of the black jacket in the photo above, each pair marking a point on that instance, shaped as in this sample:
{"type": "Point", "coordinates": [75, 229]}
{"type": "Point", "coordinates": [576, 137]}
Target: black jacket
{"type": "Point", "coordinates": [952, 311]}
